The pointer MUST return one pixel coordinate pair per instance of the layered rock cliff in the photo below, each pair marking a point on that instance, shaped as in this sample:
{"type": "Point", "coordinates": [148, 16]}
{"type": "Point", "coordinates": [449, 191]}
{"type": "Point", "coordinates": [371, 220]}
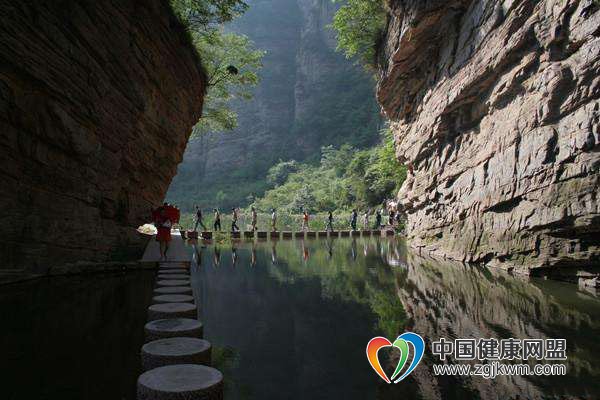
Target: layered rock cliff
{"type": "Point", "coordinates": [97, 100]}
{"type": "Point", "coordinates": [308, 96]}
{"type": "Point", "coordinates": [494, 106]}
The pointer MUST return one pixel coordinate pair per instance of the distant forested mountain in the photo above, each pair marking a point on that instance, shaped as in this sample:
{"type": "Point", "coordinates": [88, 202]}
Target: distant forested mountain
{"type": "Point", "coordinates": [309, 96]}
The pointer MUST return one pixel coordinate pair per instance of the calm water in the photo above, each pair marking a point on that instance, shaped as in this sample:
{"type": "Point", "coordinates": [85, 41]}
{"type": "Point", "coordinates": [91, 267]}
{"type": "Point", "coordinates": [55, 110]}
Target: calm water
{"type": "Point", "coordinates": [73, 338]}
{"type": "Point", "coordinates": [291, 319]}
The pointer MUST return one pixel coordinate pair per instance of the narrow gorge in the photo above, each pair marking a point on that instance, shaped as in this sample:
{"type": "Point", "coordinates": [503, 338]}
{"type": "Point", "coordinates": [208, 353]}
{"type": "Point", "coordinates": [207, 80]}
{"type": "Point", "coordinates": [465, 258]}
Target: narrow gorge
{"type": "Point", "coordinates": [495, 110]}
{"type": "Point", "coordinates": [97, 101]}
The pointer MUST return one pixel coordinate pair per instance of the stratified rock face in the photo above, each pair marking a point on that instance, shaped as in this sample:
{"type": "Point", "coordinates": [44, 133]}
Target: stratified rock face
{"type": "Point", "coordinates": [495, 110]}
{"type": "Point", "coordinates": [97, 100]}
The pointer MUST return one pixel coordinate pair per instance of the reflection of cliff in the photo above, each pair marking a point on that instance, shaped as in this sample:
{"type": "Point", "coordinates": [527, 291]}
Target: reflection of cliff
{"type": "Point", "coordinates": [456, 301]}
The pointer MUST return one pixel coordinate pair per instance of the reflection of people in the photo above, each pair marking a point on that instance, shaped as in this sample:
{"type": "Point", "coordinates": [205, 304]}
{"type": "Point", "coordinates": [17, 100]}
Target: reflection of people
{"type": "Point", "coordinates": [163, 233]}
{"type": "Point", "coordinates": [234, 256]}
{"type": "Point", "coordinates": [253, 255]}
{"type": "Point", "coordinates": [353, 248]}
{"type": "Point", "coordinates": [305, 252]}
{"type": "Point", "coordinates": [199, 219]}
{"type": "Point", "coordinates": [273, 252]}
{"type": "Point", "coordinates": [217, 257]}
{"type": "Point", "coordinates": [329, 243]}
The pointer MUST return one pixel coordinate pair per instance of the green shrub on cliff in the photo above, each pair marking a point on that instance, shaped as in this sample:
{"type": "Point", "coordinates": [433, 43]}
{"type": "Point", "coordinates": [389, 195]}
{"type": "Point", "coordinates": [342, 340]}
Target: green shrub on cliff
{"type": "Point", "coordinates": [230, 60]}
{"type": "Point", "coordinates": [358, 25]}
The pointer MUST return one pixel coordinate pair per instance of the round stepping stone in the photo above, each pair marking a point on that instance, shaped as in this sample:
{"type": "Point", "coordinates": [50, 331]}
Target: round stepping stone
{"type": "Point", "coordinates": [181, 382]}
{"type": "Point", "coordinates": [173, 271]}
{"type": "Point", "coordinates": [173, 266]}
{"type": "Point", "coordinates": [173, 282]}
{"type": "Point", "coordinates": [173, 290]}
{"type": "Point", "coordinates": [176, 327]}
{"type": "Point", "coordinates": [173, 276]}
{"type": "Point", "coordinates": [171, 310]}
{"type": "Point", "coordinates": [173, 298]}
{"type": "Point", "coordinates": [176, 350]}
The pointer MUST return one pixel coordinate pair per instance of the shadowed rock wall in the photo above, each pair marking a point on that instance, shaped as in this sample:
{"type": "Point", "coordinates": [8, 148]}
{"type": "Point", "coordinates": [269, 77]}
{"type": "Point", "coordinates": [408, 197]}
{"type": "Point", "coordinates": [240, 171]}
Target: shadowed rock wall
{"type": "Point", "coordinates": [495, 110]}
{"type": "Point", "coordinates": [97, 101]}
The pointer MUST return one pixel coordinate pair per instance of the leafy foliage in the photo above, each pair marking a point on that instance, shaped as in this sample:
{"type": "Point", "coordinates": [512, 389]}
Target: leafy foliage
{"type": "Point", "coordinates": [204, 15]}
{"type": "Point", "coordinates": [230, 60]}
{"type": "Point", "coordinates": [345, 179]}
{"type": "Point", "coordinates": [232, 64]}
{"type": "Point", "coordinates": [358, 24]}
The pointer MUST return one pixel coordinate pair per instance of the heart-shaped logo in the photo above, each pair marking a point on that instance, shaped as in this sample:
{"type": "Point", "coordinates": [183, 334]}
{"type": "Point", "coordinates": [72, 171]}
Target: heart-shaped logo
{"type": "Point", "coordinates": [417, 345]}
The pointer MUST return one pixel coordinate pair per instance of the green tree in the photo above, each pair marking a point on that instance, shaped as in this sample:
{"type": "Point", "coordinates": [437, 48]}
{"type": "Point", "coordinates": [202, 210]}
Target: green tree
{"type": "Point", "coordinates": [204, 15]}
{"type": "Point", "coordinates": [358, 25]}
{"type": "Point", "coordinates": [232, 66]}
{"type": "Point", "coordinates": [279, 172]}
{"type": "Point", "coordinates": [230, 60]}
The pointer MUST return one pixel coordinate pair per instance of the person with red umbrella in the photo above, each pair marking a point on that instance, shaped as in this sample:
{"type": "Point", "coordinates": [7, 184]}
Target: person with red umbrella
{"type": "Point", "coordinates": [163, 222]}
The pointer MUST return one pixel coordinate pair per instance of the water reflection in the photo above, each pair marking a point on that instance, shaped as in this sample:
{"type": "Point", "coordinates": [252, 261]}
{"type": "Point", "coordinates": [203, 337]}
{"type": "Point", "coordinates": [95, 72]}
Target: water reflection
{"type": "Point", "coordinates": [308, 308]}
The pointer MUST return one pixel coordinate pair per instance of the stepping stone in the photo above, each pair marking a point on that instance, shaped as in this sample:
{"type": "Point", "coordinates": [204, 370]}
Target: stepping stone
{"type": "Point", "coordinates": [173, 282]}
{"type": "Point", "coordinates": [173, 290]}
{"type": "Point", "coordinates": [176, 327]}
{"type": "Point", "coordinates": [172, 276]}
{"type": "Point", "coordinates": [174, 266]}
{"type": "Point", "coordinates": [173, 271]}
{"type": "Point", "coordinates": [248, 235]}
{"type": "Point", "coordinates": [275, 235]}
{"type": "Point", "coordinates": [261, 234]}
{"type": "Point", "coordinates": [173, 298]}
{"type": "Point", "coordinates": [171, 310]}
{"type": "Point", "coordinates": [175, 350]}
{"type": "Point", "coordinates": [181, 382]}
{"type": "Point", "coordinates": [286, 234]}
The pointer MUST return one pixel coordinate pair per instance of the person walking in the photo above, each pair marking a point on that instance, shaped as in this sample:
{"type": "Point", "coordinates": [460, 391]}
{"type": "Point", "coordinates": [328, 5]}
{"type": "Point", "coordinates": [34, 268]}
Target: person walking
{"type": "Point", "coordinates": [274, 220]}
{"type": "Point", "coordinates": [366, 219]}
{"type": "Point", "coordinates": [305, 218]}
{"type": "Point", "coordinates": [234, 218]}
{"type": "Point", "coordinates": [377, 220]}
{"type": "Point", "coordinates": [217, 223]}
{"type": "Point", "coordinates": [163, 232]}
{"type": "Point", "coordinates": [199, 219]}
{"type": "Point", "coordinates": [391, 218]}
{"type": "Point", "coordinates": [353, 218]}
{"type": "Point", "coordinates": [254, 219]}
{"type": "Point", "coordinates": [329, 226]}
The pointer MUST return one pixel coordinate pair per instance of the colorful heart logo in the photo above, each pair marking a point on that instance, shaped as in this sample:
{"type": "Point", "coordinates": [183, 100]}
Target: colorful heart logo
{"type": "Point", "coordinates": [417, 344]}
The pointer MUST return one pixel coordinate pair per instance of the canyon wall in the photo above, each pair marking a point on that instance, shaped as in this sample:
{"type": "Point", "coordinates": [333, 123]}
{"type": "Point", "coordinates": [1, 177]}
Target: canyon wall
{"type": "Point", "coordinates": [494, 106]}
{"type": "Point", "coordinates": [308, 96]}
{"type": "Point", "coordinates": [97, 101]}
